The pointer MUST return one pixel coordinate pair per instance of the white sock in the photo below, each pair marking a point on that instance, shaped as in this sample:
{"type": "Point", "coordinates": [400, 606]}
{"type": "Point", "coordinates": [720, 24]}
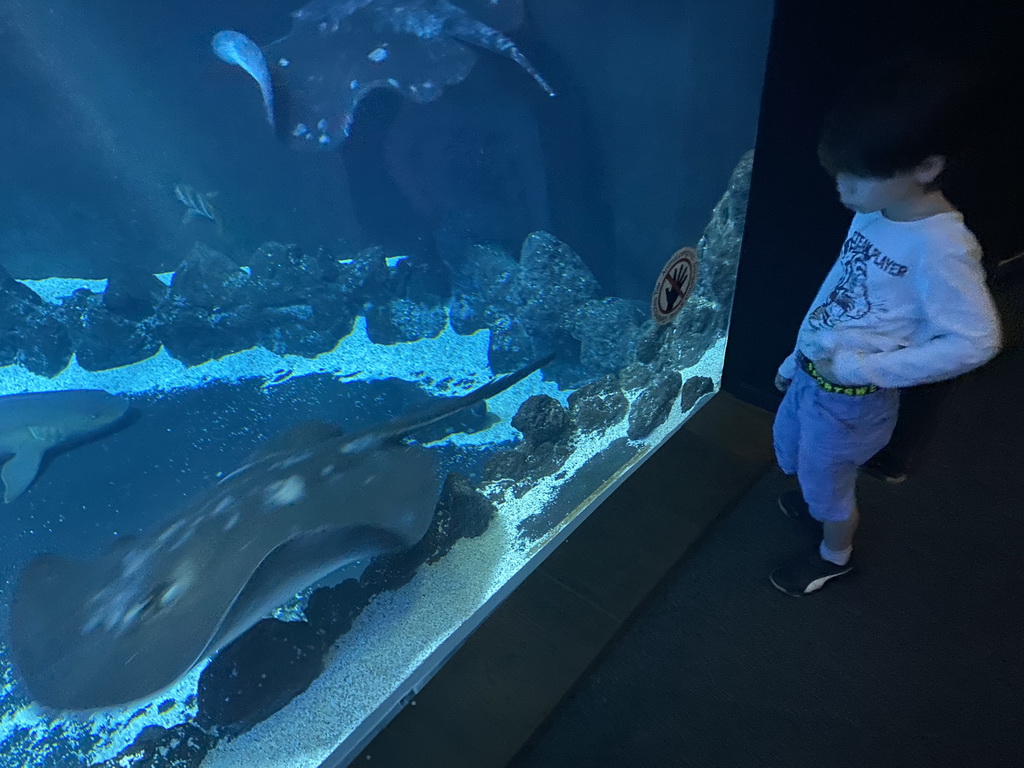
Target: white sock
{"type": "Point", "coordinates": [842, 557]}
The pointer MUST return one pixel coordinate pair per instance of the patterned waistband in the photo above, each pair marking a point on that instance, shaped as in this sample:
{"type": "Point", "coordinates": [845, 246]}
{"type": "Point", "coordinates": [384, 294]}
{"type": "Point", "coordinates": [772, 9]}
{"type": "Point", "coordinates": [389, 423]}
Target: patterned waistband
{"type": "Point", "coordinates": [838, 389]}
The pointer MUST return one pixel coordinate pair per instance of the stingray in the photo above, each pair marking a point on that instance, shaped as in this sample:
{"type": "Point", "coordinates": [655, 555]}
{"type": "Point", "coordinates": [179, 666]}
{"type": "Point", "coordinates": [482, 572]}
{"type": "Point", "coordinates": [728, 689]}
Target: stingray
{"type": "Point", "coordinates": [89, 635]}
{"type": "Point", "coordinates": [340, 50]}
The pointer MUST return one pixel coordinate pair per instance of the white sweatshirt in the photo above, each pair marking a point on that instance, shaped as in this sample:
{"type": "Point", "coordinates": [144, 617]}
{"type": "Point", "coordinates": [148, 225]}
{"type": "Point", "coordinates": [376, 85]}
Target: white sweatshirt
{"type": "Point", "coordinates": [905, 304]}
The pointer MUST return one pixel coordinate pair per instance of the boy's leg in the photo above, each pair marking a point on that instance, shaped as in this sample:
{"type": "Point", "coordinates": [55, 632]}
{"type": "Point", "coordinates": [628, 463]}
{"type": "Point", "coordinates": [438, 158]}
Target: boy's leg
{"type": "Point", "coordinates": [919, 413]}
{"type": "Point", "coordinates": [837, 433]}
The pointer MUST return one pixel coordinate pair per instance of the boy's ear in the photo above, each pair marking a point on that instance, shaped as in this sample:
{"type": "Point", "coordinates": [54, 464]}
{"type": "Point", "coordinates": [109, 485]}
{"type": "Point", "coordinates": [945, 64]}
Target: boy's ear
{"type": "Point", "coordinates": [928, 170]}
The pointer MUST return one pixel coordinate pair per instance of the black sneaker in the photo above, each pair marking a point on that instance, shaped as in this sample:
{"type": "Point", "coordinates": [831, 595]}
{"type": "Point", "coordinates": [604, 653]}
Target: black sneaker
{"type": "Point", "coordinates": [881, 467]}
{"type": "Point", "coordinates": [794, 507]}
{"type": "Point", "coordinates": [806, 573]}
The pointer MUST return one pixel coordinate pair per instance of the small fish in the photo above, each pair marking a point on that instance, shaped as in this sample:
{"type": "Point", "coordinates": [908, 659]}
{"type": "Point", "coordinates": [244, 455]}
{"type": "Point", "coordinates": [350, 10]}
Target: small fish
{"type": "Point", "coordinates": [198, 204]}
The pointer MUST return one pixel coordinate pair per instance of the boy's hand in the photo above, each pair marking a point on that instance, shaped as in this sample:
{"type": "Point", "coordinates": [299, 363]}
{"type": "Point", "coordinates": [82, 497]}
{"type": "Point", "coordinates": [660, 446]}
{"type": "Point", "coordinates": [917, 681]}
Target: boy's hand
{"type": "Point", "coordinates": [781, 382]}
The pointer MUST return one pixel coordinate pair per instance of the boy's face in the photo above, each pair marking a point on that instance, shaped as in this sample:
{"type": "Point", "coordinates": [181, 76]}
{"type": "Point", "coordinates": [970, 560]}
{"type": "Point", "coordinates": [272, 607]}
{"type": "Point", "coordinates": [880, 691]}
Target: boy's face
{"type": "Point", "coordinates": [897, 193]}
{"type": "Point", "coordinates": [866, 195]}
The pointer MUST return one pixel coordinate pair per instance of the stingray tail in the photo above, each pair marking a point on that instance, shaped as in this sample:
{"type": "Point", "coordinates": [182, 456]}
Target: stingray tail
{"type": "Point", "coordinates": [399, 428]}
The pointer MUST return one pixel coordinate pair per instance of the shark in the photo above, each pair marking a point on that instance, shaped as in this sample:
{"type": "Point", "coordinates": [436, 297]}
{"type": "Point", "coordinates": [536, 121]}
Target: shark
{"type": "Point", "coordinates": [35, 422]}
{"type": "Point", "coordinates": [94, 634]}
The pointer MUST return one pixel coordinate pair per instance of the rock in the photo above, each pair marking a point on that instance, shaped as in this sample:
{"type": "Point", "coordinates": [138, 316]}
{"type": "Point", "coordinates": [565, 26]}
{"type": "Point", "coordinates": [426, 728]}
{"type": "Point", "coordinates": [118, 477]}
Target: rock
{"type": "Point", "coordinates": [598, 405]}
{"type": "Point", "coordinates": [207, 279]}
{"type": "Point", "coordinates": [636, 376]}
{"type": "Point", "coordinates": [105, 339]}
{"type": "Point", "coordinates": [653, 406]}
{"type": "Point", "coordinates": [608, 331]}
{"type": "Point", "coordinates": [183, 746]}
{"type": "Point", "coordinates": [33, 334]}
{"type": "Point", "coordinates": [333, 609]}
{"type": "Point", "coordinates": [693, 390]}
{"type": "Point", "coordinates": [195, 334]}
{"type": "Point", "coordinates": [258, 673]}
{"type": "Point", "coordinates": [462, 513]}
{"type": "Point", "coordinates": [523, 467]}
{"type": "Point", "coordinates": [133, 294]}
{"type": "Point", "coordinates": [719, 248]}
{"type": "Point", "coordinates": [403, 320]}
{"type": "Point", "coordinates": [542, 419]}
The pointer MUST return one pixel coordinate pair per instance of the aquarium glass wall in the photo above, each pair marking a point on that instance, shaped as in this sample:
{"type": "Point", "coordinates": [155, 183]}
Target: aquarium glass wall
{"type": "Point", "coordinates": [320, 326]}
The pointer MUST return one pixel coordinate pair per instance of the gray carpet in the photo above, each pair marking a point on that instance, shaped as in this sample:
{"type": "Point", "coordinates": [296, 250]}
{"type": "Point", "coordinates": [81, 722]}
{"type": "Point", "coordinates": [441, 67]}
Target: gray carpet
{"type": "Point", "coordinates": [916, 660]}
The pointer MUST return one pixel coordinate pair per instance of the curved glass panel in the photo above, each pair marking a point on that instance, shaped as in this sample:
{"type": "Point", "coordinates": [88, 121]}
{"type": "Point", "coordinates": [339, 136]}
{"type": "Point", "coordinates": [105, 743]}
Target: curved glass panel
{"type": "Point", "coordinates": [320, 326]}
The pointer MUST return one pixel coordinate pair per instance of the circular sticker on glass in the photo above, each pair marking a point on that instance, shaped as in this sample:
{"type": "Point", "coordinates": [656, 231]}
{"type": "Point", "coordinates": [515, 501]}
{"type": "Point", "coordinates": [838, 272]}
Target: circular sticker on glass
{"type": "Point", "coordinates": [675, 284]}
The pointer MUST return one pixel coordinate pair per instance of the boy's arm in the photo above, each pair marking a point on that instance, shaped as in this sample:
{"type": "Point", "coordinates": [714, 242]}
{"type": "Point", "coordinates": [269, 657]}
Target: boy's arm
{"type": "Point", "coordinates": [965, 327]}
{"type": "Point", "coordinates": [788, 368]}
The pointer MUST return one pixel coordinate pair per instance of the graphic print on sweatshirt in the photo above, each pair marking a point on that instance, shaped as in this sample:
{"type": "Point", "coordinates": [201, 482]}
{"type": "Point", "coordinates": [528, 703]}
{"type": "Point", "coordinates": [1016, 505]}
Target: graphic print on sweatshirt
{"type": "Point", "coordinates": [850, 299]}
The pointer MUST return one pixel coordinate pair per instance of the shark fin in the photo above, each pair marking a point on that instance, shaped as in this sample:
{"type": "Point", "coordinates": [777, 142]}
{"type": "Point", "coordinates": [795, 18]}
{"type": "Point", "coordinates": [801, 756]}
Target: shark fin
{"type": "Point", "coordinates": [22, 468]}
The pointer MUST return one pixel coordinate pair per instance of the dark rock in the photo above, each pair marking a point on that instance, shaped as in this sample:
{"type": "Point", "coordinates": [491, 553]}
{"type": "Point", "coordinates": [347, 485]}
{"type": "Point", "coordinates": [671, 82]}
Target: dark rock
{"type": "Point", "coordinates": [648, 346]}
{"type": "Point", "coordinates": [522, 468]}
{"type": "Point", "coordinates": [13, 291]}
{"type": "Point", "coordinates": [690, 334]}
{"type": "Point", "coordinates": [183, 746]}
{"type": "Point", "coordinates": [195, 335]}
{"type": "Point", "coordinates": [598, 405]}
{"type": "Point", "coordinates": [207, 279]}
{"type": "Point", "coordinates": [403, 320]}
{"type": "Point", "coordinates": [133, 294]}
{"type": "Point", "coordinates": [365, 275]}
{"type": "Point", "coordinates": [511, 346]}
{"type": "Point", "coordinates": [33, 334]}
{"type": "Point", "coordinates": [553, 282]}
{"type": "Point", "coordinates": [107, 340]}
{"type": "Point", "coordinates": [462, 513]}
{"type": "Point", "coordinates": [424, 281]}
{"type": "Point", "coordinates": [464, 318]}
{"type": "Point", "coordinates": [693, 390]}
{"type": "Point", "coordinates": [333, 609]}
{"type": "Point", "coordinates": [542, 419]}
{"type": "Point", "coordinates": [719, 248]}
{"type": "Point", "coordinates": [257, 674]}
{"type": "Point", "coordinates": [512, 466]}
{"type": "Point", "coordinates": [654, 405]}
{"type": "Point", "coordinates": [607, 330]}
{"type": "Point", "coordinates": [636, 376]}
{"type": "Point", "coordinates": [306, 329]}
{"type": "Point", "coordinates": [530, 307]}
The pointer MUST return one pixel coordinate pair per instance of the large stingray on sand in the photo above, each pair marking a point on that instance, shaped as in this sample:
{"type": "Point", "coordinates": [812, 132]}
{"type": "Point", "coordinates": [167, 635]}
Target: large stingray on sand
{"type": "Point", "coordinates": [338, 51]}
{"type": "Point", "coordinates": [107, 632]}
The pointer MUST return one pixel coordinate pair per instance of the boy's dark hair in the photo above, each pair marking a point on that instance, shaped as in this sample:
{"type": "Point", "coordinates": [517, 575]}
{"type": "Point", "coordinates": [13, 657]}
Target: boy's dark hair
{"type": "Point", "coordinates": [895, 116]}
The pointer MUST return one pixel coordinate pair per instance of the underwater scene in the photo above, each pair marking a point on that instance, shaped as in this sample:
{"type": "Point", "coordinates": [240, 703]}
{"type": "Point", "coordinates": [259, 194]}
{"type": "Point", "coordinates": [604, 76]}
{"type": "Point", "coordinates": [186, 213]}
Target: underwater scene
{"type": "Point", "coordinates": [320, 326]}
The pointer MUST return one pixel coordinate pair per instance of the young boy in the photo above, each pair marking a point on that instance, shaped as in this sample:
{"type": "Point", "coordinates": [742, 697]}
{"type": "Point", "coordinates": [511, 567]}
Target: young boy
{"type": "Point", "coordinates": [905, 303]}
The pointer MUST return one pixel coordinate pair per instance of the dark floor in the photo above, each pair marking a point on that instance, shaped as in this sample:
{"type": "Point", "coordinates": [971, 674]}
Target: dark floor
{"type": "Point", "coordinates": [917, 659]}
{"type": "Point", "coordinates": [653, 638]}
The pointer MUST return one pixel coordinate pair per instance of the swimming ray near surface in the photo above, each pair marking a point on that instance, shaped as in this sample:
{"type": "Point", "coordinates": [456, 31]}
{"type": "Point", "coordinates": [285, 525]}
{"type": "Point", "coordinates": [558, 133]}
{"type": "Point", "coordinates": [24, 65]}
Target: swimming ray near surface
{"type": "Point", "coordinates": [95, 634]}
{"type": "Point", "coordinates": [313, 79]}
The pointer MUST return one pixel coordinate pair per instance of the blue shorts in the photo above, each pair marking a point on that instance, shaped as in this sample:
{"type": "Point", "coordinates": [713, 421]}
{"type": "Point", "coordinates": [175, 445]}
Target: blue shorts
{"type": "Point", "coordinates": [822, 437]}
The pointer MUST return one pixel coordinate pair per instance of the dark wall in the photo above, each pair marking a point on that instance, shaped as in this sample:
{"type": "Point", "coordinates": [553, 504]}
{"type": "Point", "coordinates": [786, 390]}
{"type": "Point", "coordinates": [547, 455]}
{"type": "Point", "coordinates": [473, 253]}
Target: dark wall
{"type": "Point", "coordinates": [795, 225]}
